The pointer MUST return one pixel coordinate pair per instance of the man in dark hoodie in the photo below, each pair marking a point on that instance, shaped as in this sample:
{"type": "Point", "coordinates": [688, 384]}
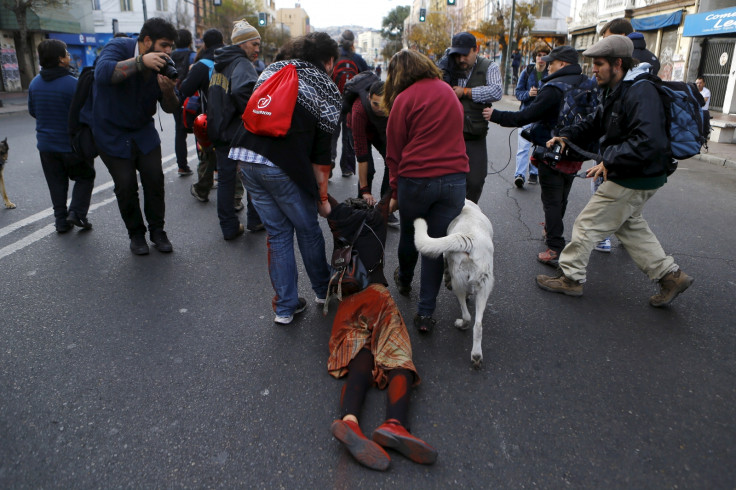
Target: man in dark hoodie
{"type": "Point", "coordinates": [198, 80]}
{"type": "Point", "coordinates": [555, 178]}
{"type": "Point", "coordinates": [49, 97]}
{"type": "Point", "coordinates": [623, 27]}
{"type": "Point", "coordinates": [230, 88]}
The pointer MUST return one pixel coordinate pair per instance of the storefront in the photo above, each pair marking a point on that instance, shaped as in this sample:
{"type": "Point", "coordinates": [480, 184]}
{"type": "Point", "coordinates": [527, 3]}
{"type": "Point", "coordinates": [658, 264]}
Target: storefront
{"type": "Point", "coordinates": [81, 47]}
{"type": "Point", "coordinates": [662, 38]}
{"type": "Point", "coordinates": [714, 35]}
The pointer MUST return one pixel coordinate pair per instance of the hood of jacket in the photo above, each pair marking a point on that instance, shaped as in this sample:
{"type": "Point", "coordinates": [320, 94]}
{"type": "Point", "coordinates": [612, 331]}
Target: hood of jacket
{"type": "Point", "coordinates": [638, 39]}
{"type": "Point", "coordinates": [226, 55]}
{"type": "Point", "coordinates": [639, 69]}
{"type": "Point", "coordinates": [50, 74]}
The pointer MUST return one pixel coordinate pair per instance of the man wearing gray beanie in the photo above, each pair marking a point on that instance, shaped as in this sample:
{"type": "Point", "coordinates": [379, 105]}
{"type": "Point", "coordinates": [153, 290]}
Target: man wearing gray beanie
{"type": "Point", "coordinates": [230, 88]}
{"type": "Point", "coordinates": [635, 161]}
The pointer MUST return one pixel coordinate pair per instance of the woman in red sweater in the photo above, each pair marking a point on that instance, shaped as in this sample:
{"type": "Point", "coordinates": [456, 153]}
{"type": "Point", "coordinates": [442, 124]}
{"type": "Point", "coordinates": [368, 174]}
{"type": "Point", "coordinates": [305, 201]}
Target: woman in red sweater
{"type": "Point", "coordinates": [427, 162]}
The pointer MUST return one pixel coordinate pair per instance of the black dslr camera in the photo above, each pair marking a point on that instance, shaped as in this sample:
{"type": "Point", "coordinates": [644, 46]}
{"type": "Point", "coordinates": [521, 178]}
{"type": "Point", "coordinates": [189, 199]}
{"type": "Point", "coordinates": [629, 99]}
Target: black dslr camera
{"type": "Point", "coordinates": [551, 156]}
{"type": "Point", "coordinates": [169, 69]}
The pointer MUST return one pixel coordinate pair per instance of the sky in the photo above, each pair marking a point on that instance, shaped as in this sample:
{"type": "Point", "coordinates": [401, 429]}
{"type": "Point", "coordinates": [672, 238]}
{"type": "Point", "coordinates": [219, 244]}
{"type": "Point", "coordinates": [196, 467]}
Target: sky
{"type": "Point", "coordinates": [326, 13]}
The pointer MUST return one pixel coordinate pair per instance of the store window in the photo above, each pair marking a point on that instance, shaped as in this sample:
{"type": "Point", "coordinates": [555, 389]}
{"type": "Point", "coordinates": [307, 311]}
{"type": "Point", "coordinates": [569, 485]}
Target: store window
{"type": "Point", "coordinates": [667, 51]}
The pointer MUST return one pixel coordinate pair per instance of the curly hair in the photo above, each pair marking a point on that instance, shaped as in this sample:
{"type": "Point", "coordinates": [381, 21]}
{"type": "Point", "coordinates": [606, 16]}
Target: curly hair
{"type": "Point", "coordinates": [317, 48]}
{"type": "Point", "coordinates": [157, 28]}
{"type": "Point", "coordinates": [405, 68]}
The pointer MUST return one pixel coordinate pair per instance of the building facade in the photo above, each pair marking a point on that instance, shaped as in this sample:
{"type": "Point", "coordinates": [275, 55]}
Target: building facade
{"type": "Point", "coordinates": [295, 19]}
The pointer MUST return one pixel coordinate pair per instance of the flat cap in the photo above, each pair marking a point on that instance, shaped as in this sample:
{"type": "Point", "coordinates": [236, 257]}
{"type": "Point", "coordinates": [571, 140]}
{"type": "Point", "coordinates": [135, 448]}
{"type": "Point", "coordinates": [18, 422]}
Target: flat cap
{"type": "Point", "coordinates": [612, 46]}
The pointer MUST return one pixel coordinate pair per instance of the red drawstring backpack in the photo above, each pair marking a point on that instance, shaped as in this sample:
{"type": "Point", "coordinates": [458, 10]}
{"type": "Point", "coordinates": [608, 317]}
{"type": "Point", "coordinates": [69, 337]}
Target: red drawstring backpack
{"type": "Point", "coordinates": [271, 106]}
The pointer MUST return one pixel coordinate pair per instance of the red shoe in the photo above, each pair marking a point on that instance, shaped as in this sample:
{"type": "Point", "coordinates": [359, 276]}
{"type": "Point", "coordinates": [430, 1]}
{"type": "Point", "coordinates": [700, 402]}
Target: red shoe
{"type": "Point", "coordinates": [365, 451]}
{"type": "Point", "coordinates": [549, 257]}
{"type": "Point", "coordinates": [392, 434]}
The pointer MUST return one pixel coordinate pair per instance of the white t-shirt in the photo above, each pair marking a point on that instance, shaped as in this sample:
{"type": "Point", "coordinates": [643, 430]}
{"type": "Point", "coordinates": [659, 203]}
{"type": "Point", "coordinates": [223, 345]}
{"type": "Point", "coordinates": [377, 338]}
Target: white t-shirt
{"type": "Point", "coordinates": [706, 96]}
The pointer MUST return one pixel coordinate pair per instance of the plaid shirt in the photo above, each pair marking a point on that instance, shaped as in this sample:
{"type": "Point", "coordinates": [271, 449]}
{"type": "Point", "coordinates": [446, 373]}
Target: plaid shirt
{"type": "Point", "coordinates": [245, 155]}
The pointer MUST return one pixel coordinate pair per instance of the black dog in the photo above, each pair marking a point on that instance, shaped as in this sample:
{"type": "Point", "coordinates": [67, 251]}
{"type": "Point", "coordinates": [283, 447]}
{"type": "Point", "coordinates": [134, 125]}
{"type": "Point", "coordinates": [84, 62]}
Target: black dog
{"type": "Point", "coordinates": [4, 158]}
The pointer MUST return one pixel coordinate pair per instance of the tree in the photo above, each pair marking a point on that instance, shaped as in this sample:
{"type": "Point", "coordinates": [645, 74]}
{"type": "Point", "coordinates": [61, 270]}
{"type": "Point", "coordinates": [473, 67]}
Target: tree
{"type": "Point", "coordinates": [230, 11]}
{"type": "Point", "coordinates": [431, 37]}
{"type": "Point", "coordinates": [272, 37]}
{"type": "Point", "coordinates": [393, 30]}
{"type": "Point", "coordinates": [20, 8]}
{"type": "Point", "coordinates": [499, 27]}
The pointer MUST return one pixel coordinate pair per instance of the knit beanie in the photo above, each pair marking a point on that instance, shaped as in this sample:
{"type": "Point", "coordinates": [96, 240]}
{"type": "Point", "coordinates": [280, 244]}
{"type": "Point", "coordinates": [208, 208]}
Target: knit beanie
{"type": "Point", "coordinates": [243, 31]}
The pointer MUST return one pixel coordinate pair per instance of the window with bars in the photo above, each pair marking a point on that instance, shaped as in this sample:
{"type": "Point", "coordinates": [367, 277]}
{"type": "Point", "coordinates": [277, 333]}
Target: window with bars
{"type": "Point", "coordinates": [544, 8]}
{"type": "Point", "coordinates": [126, 5]}
{"type": "Point", "coordinates": [162, 5]}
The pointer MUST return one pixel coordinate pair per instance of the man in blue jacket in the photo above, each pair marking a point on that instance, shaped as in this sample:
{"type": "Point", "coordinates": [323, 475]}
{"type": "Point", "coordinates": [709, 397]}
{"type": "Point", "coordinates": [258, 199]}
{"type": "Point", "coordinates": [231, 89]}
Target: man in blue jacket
{"type": "Point", "coordinates": [128, 86]}
{"type": "Point", "coordinates": [49, 97]}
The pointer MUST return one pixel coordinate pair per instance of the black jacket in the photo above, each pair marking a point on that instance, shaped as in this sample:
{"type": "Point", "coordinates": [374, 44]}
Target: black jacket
{"type": "Point", "coordinates": [629, 123]}
{"type": "Point", "coordinates": [544, 108]}
{"type": "Point", "coordinates": [230, 88]}
{"type": "Point", "coordinates": [642, 54]}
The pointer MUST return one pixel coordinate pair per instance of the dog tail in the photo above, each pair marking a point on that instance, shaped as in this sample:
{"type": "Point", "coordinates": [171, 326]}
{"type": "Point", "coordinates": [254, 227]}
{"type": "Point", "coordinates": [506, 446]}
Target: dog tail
{"type": "Point", "coordinates": [434, 247]}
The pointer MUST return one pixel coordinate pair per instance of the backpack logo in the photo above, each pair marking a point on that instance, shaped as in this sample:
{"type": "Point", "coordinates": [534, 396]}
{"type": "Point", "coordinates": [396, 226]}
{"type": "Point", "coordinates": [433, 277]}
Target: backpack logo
{"type": "Point", "coordinates": [264, 101]}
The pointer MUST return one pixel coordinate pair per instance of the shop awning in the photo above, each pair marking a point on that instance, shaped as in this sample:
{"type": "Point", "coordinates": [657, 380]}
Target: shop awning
{"type": "Point", "coordinates": [711, 23]}
{"type": "Point", "coordinates": [657, 21]}
{"type": "Point", "coordinates": [58, 21]}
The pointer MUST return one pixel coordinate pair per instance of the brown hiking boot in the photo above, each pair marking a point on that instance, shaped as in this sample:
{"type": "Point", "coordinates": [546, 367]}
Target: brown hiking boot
{"type": "Point", "coordinates": [672, 284]}
{"type": "Point", "coordinates": [560, 284]}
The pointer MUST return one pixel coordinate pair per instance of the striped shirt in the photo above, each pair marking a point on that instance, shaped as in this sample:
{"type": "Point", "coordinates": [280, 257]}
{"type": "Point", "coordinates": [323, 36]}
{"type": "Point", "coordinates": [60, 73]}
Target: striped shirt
{"type": "Point", "coordinates": [245, 155]}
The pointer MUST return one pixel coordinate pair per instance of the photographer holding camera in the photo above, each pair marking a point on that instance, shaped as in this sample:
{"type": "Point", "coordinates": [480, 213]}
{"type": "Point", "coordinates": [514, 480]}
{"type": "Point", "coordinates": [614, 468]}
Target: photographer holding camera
{"type": "Point", "coordinates": [131, 77]}
{"type": "Point", "coordinates": [556, 171]}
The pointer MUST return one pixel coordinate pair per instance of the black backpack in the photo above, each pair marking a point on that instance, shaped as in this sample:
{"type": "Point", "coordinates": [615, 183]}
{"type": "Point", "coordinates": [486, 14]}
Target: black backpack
{"type": "Point", "coordinates": [345, 69]}
{"type": "Point", "coordinates": [355, 87]}
{"type": "Point", "coordinates": [181, 61]}
{"type": "Point", "coordinates": [80, 134]}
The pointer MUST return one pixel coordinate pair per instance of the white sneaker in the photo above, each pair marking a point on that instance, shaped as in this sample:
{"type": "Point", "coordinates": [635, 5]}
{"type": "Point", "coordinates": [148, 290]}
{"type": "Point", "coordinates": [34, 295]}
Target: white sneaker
{"type": "Point", "coordinates": [285, 320]}
{"type": "Point", "coordinates": [604, 245]}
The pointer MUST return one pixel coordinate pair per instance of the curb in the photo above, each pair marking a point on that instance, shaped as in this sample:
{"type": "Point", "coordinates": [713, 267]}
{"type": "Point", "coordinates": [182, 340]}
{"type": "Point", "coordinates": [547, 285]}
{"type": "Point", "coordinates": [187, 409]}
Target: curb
{"type": "Point", "coordinates": [714, 160]}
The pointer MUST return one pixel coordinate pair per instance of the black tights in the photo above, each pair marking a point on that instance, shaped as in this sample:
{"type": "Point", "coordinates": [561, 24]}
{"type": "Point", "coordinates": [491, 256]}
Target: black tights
{"type": "Point", "coordinates": [360, 379]}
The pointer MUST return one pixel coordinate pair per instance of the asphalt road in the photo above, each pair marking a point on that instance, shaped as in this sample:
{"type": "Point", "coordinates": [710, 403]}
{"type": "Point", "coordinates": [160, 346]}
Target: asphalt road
{"type": "Point", "coordinates": [168, 371]}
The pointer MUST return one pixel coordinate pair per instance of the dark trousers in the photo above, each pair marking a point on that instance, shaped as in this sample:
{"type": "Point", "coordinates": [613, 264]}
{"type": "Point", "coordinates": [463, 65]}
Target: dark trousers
{"type": "Point", "coordinates": [372, 173]}
{"type": "Point", "coordinates": [180, 141]}
{"type": "Point", "coordinates": [123, 172]}
{"type": "Point", "coordinates": [438, 200]}
{"type": "Point", "coordinates": [347, 158]}
{"type": "Point", "coordinates": [205, 171]}
{"type": "Point", "coordinates": [555, 189]}
{"type": "Point", "coordinates": [229, 190]}
{"type": "Point", "coordinates": [59, 169]}
{"type": "Point", "coordinates": [478, 159]}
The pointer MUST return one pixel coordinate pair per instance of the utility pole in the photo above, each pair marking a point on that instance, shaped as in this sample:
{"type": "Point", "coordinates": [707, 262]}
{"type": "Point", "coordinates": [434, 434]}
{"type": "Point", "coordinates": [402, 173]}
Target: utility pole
{"type": "Point", "coordinates": [507, 56]}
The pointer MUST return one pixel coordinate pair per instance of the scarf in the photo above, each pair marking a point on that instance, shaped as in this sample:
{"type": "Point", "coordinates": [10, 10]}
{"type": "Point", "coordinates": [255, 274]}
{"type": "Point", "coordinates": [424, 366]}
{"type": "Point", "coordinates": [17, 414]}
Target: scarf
{"type": "Point", "coordinates": [318, 94]}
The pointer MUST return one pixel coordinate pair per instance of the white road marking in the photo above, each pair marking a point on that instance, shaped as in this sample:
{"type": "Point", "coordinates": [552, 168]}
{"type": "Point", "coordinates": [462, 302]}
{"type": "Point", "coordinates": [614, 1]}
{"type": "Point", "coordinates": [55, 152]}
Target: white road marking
{"type": "Point", "coordinates": [49, 229]}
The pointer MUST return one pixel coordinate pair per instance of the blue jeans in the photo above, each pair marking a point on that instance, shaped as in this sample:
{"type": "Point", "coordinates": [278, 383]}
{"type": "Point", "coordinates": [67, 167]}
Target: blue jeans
{"type": "Point", "coordinates": [522, 156]}
{"type": "Point", "coordinates": [438, 200]}
{"type": "Point", "coordinates": [284, 208]}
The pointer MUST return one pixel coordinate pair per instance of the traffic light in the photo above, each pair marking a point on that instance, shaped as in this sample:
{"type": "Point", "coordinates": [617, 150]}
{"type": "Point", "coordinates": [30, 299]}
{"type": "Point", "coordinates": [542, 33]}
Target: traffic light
{"type": "Point", "coordinates": [262, 21]}
{"type": "Point", "coordinates": [422, 15]}
{"type": "Point", "coordinates": [451, 3]}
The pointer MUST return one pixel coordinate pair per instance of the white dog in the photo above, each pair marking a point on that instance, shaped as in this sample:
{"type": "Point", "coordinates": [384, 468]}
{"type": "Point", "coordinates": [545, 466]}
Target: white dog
{"type": "Point", "coordinates": [468, 251]}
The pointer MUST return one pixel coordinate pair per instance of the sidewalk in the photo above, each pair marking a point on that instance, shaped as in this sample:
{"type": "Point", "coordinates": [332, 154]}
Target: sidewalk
{"type": "Point", "coordinates": [13, 102]}
{"type": "Point", "coordinates": [723, 154]}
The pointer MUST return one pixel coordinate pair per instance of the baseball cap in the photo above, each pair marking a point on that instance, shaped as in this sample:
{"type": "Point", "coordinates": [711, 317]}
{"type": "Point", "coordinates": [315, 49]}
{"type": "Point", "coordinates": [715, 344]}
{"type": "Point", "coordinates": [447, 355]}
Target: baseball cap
{"type": "Point", "coordinates": [562, 53]}
{"type": "Point", "coordinates": [462, 43]}
{"type": "Point", "coordinates": [611, 46]}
